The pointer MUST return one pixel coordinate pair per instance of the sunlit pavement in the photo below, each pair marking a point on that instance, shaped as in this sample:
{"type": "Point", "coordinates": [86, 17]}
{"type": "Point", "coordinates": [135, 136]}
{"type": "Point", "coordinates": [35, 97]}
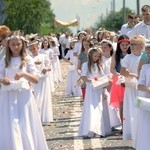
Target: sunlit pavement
{"type": "Point", "coordinates": [62, 133]}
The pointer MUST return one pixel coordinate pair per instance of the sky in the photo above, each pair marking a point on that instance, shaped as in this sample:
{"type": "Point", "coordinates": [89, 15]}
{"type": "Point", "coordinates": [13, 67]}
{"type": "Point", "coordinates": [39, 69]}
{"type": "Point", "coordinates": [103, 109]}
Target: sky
{"type": "Point", "coordinates": [89, 11]}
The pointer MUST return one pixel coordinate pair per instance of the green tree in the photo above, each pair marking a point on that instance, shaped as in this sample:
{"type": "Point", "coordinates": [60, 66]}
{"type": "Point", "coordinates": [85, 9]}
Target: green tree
{"type": "Point", "coordinates": [28, 15]}
{"type": "Point", "coordinates": [113, 21]}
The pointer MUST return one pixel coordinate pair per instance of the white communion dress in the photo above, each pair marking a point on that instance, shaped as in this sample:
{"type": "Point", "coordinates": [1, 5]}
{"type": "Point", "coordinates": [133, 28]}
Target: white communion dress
{"type": "Point", "coordinates": [42, 90]}
{"type": "Point", "coordinates": [20, 125]}
{"type": "Point", "coordinates": [95, 116]}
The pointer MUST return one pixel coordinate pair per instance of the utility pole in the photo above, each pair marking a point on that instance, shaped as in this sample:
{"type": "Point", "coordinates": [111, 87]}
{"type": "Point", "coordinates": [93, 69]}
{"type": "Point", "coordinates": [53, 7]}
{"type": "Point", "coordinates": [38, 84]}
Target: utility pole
{"type": "Point", "coordinates": [138, 7]}
{"type": "Point", "coordinates": [124, 11]}
{"type": "Point", "coordinates": [2, 15]}
{"type": "Point", "coordinates": [114, 5]}
{"type": "Point", "coordinates": [113, 8]}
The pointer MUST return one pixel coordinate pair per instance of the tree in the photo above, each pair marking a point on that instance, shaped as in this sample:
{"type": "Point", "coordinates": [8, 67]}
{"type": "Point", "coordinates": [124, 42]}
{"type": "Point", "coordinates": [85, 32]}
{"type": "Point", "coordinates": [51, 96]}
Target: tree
{"type": "Point", "coordinates": [28, 15]}
{"type": "Point", "coordinates": [113, 21]}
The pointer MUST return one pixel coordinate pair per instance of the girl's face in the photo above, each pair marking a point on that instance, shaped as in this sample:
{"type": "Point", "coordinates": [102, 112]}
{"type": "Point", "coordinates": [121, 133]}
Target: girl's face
{"type": "Point", "coordinates": [15, 46]}
{"type": "Point", "coordinates": [106, 36]}
{"type": "Point", "coordinates": [45, 44]}
{"type": "Point", "coordinates": [124, 46]}
{"type": "Point", "coordinates": [81, 36]}
{"type": "Point", "coordinates": [72, 45]}
{"type": "Point", "coordinates": [86, 45]}
{"type": "Point", "coordinates": [105, 48]}
{"type": "Point", "coordinates": [96, 56]}
{"type": "Point", "coordinates": [34, 49]}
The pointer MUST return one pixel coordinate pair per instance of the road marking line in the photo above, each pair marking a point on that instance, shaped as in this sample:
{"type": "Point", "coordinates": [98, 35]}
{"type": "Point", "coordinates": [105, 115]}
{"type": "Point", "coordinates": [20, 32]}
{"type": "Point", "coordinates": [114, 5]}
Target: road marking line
{"type": "Point", "coordinates": [96, 143]}
{"type": "Point", "coordinates": [78, 142]}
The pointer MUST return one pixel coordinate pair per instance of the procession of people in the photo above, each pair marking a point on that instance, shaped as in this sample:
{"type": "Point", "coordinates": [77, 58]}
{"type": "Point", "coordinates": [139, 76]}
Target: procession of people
{"type": "Point", "coordinates": [109, 71]}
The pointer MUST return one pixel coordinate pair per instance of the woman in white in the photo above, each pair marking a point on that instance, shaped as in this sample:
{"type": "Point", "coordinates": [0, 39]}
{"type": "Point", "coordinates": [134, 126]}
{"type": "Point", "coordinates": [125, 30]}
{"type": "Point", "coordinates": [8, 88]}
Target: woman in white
{"type": "Point", "coordinates": [20, 125]}
{"type": "Point", "coordinates": [42, 90]}
{"type": "Point", "coordinates": [55, 62]}
{"type": "Point", "coordinates": [45, 49]}
{"type": "Point", "coordinates": [95, 116]}
{"type": "Point", "coordinates": [129, 70]}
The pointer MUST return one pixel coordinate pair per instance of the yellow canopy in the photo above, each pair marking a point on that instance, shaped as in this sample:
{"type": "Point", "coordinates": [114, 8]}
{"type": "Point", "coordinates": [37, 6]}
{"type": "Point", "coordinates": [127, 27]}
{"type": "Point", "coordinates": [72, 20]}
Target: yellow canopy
{"type": "Point", "coordinates": [72, 23]}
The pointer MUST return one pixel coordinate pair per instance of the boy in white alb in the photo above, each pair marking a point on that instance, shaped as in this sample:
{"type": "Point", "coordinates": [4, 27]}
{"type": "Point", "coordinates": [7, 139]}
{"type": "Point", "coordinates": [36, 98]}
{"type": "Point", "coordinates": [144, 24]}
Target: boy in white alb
{"type": "Point", "coordinates": [129, 70]}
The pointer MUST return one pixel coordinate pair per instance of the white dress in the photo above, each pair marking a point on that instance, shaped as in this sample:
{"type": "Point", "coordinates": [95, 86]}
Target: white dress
{"type": "Point", "coordinates": [56, 65]}
{"type": "Point", "coordinates": [130, 62]}
{"type": "Point", "coordinates": [142, 141]}
{"type": "Point", "coordinates": [71, 74]}
{"type": "Point", "coordinates": [20, 124]}
{"type": "Point", "coordinates": [113, 112]}
{"type": "Point", "coordinates": [42, 90]}
{"type": "Point", "coordinates": [77, 47]}
{"type": "Point", "coordinates": [95, 116]}
{"type": "Point", "coordinates": [77, 88]}
{"type": "Point", "coordinates": [50, 54]}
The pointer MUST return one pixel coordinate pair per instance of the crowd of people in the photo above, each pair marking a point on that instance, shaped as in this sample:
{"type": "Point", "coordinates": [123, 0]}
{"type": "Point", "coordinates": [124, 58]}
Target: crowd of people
{"type": "Point", "coordinates": [30, 68]}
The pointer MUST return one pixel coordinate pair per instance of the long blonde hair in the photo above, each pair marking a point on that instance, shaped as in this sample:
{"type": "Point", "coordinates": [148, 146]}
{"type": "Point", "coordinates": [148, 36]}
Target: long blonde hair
{"type": "Point", "coordinates": [99, 62]}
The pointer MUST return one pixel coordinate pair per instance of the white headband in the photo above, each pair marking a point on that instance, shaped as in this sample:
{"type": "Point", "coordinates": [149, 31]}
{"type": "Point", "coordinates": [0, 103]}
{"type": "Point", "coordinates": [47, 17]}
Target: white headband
{"type": "Point", "coordinates": [15, 37]}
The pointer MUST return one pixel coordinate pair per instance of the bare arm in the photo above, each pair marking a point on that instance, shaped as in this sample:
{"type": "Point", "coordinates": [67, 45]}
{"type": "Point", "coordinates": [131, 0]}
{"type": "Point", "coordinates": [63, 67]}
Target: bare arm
{"type": "Point", "coordinates": [124, 71]}
{"type": "Point", "coordinates": [112, 66]}
{"type": "Point", "coordinates": [76, 54]}
{"type": "Point", "coordinates": [86, 79]}
{"type": "Point", "coordinates": [143, 88]}
{"type": "Point", "coordinates": [30, 77]}
{"type": "Point", "coordinates": [79, 67]}
{"type": "Point", "coordinates": [66, 60]}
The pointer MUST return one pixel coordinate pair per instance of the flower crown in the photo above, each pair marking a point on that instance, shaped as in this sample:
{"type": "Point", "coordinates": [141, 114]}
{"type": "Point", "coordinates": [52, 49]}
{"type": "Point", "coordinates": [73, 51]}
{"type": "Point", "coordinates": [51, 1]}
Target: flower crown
{"type": "Point", "coordinates": [16, 35]}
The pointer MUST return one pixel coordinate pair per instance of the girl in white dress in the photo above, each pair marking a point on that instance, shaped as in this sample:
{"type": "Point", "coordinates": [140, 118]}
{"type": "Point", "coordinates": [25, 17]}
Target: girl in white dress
{"type": "Point", "coordinates": [129, 69]}
{"type": "Point", "coordinates": [77, 50]}
{"type": "Point", "coordinates": [55, 62]}
{"type": "Point", "coordinates": [142, 141]}
{"type": "Point", "coordinates": [42, 90]}
{"type": "Point", "coordinates": [95, 116]}
{"type": "Point", "coordinates": [45, 49]}
{"type": "Point", "coordinates": [78, 45]}
{"type": "Point", "coordinates": [20, 125]}
{"type": "Point", "coordinates": [107, 50]}
{"type": "Point", "coordinates": [70, 58]}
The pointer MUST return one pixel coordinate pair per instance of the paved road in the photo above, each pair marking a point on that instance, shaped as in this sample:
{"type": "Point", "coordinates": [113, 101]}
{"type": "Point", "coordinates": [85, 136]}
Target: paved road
{"type": "Point", "coordinates": [62, 133]}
